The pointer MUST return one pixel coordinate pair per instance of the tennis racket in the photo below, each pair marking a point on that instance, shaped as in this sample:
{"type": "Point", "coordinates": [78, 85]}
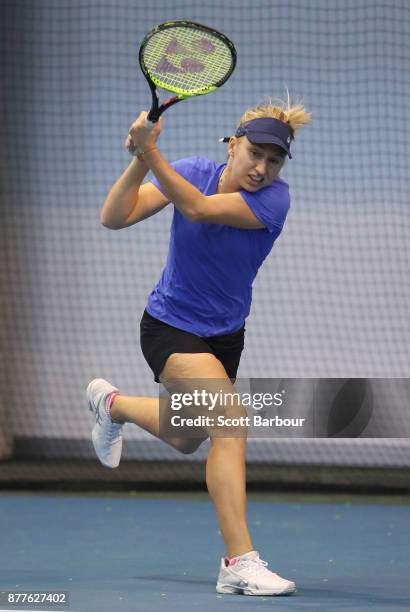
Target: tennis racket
{"type": "Point", "coordinates": [185, 58]}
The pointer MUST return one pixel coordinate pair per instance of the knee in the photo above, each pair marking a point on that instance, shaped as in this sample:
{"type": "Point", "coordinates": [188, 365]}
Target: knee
{"type": "Point", "coordinates": [187, 446]}
{"type": "Point", "coordinates": [229, 444]}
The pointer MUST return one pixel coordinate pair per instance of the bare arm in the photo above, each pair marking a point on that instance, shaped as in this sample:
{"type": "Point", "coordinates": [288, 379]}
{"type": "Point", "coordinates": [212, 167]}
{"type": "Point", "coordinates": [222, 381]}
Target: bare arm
{"type": "Point", "coordinates": [128, 201]}
{"type": "Point", "coordinates": [227, 209]}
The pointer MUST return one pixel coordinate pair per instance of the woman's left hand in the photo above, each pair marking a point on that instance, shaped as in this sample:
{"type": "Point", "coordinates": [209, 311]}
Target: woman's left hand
{"type": "Point", "coordinates": [143, 133]}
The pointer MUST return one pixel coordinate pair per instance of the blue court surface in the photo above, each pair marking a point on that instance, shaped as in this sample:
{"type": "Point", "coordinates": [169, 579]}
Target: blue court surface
{"type": "Point", "coordinates": [162, 554]}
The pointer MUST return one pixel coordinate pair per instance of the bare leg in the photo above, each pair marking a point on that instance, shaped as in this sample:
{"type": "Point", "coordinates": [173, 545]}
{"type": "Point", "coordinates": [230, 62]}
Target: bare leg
{"type": "Point", "coordinates": [144, 412]}
{"type": "Point", "coordinates": [225, 469]}
{"type": "Point", "coordinates": [226, 482]}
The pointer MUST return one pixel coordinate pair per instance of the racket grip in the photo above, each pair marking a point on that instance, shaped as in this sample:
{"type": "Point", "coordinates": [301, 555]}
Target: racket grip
{"type": "Point", "coordinates": [151, 118]}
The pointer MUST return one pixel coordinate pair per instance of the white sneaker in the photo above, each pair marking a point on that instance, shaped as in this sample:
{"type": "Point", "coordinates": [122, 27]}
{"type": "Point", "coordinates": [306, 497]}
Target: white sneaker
{"type": "Point", "coordinates": [250, 576]}
{"type": "Point", "coordinates": [106, 434]}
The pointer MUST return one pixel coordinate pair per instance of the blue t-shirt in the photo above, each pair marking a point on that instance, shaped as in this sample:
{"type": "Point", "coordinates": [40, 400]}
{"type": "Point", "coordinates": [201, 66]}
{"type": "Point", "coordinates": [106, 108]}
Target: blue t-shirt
{"type": "Point", "coordinates": [206, 285]}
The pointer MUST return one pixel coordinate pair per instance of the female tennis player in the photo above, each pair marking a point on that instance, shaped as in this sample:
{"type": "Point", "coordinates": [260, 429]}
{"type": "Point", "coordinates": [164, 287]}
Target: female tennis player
{"type": "Point", "coordinates": [226, 219]}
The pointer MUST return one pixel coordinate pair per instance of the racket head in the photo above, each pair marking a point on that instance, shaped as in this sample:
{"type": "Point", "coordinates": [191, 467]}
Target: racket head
{"type": "Point", "coordinates": [186, 58]}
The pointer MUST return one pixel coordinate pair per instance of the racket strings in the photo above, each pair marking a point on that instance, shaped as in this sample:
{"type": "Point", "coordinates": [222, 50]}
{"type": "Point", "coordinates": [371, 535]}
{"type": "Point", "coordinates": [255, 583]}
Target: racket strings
{"type": "Point", "coordinates": [186, 60]}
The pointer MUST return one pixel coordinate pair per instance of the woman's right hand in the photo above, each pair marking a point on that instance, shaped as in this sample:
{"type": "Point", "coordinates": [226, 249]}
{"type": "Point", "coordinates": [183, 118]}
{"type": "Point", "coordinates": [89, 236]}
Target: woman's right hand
{"type": "Point", "coordinates": [130, 146]}
{"type": "Point", "coordinates": [143, 134]}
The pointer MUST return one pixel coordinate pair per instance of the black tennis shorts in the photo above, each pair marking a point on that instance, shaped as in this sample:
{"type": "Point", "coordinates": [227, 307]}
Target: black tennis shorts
{"type": "Point", "coordinates": [159, 340]}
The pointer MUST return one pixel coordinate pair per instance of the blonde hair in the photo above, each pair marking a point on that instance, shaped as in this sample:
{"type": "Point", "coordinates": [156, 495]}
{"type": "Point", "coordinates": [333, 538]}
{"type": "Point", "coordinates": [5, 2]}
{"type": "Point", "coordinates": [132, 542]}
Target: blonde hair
{"type": "Point", "coordinates": [295, 115]}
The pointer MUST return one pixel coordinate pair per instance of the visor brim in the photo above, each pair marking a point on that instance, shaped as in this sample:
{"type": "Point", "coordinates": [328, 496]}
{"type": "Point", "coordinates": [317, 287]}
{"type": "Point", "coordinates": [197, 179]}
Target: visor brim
{"type": "Point", "coordinates": [263, 139]}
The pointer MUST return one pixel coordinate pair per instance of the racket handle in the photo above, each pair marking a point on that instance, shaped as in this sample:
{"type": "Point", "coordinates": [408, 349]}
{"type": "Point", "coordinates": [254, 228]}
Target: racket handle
{"type": "Point", "coordinates": [152, 118]}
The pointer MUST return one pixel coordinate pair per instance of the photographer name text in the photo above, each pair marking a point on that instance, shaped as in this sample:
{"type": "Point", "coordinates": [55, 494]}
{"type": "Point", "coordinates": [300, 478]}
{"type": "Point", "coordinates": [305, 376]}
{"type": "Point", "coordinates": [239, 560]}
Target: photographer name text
{"type": "Point", "coordinates": [242, 421]}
